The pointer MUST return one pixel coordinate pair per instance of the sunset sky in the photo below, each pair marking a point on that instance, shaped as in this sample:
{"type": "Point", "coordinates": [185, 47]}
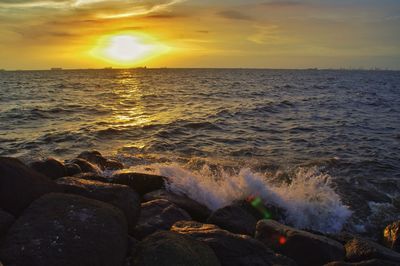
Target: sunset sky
{"type": "Point", "coordinates": [40, 34]}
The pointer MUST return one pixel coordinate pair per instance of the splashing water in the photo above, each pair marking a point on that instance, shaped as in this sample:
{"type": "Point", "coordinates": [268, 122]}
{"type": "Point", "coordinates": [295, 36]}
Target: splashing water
{"type": "Point", "coordinates": [309, 200]}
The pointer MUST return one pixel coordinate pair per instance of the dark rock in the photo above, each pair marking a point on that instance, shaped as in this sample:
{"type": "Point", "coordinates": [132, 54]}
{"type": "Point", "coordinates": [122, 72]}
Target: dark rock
{"type": "Point", "coordinates": [234, 219]}
{"type": "Point", "coordinates": [103, 163]}
{"type": "Point", "coordinates": [113, 165]}
{"type": "Point", "coordinates": [93, 177]}
{"type": "Point", "coordinates": [6, 220]}
{"type": "Point", "coordinates": [305, 248]}
{"type": "Point", "coordinates": [359, 249]}
{"type": "Point", "coordinates": [231, 249]}
{"type": "Point", "coordinates": [170, 249]}
{"type": "Point", "coordinates": [158, 215]}
{"type": "Point", "coordinates": [50, 167]}
{"type": "Point", "coordinates": [373, 262]}
{"type": "Point", "coordinates": [63, 230]}
{"type": "Point", "coordinates": [196, 210]}
{"type": "Point", "coordinates": [86, 166]}
{"type": "Point", "coordinates": [73, 169]}
{"type": "Point", "coordinates": [20, 185]}
{"type": "Point", "coordinates": [141, 183]}
{"type": "Point", "coordinates": [391, 236]}
{"type": "Point", "coordinates": [122, 197]}
{"type": "Point", "coordinates": [260, 210]}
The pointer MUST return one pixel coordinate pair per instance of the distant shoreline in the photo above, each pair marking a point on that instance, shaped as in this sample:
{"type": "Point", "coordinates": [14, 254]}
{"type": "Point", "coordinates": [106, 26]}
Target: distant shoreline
{"type": "Point", "coordinates": [200, 68]}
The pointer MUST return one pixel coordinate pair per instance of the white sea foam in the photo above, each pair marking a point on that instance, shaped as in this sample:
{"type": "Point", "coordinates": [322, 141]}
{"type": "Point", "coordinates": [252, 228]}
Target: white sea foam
{"type": "Point", "coordinates": [309, 200]}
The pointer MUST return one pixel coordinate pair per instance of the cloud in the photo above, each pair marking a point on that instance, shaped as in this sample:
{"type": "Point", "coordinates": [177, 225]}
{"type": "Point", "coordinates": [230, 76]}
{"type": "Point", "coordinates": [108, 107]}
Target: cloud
{"type": "Point", "coordinates": [233, 14]}
{"type": "Point", "coordinates": [98, 8]}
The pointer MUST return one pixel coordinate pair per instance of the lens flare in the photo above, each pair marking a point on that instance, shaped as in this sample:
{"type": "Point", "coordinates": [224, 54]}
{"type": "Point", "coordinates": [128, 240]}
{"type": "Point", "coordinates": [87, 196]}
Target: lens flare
{"type": "Point", "coordinates": [257, 203]}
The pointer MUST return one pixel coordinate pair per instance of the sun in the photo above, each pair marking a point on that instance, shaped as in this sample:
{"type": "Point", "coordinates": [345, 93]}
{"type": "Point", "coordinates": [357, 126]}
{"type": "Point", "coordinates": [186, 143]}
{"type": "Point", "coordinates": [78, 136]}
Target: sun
{"type": "Point", "coordinates": [127, 48]}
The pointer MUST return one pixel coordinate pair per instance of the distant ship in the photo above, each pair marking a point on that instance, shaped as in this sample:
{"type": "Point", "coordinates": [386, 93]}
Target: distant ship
{"type": "Point", "coordinates": [56, 69]}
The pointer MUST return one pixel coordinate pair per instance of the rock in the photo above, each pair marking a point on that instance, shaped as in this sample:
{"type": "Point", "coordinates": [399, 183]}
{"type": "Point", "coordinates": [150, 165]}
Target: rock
{"type": "Point", "coordinates": [72, 169]}
{"type": "Point", "coordinates": [260, 210]}
{"type": "Point", "coordinates": [93, 177]}
{"type": "Point", "coordinates": [235, 219]}
{"type": "Point", "coordinates": [61, 229]}
{"type": "Point", "coordinates": [231, 249]}
{"type": "Point", "coordinates": [103, 163]}
{"type": "Point", "coordinates": [170, 249]}
{"type": "Point", "coordinates": [359, 249]}
{"type": "Point", "coordinates": [6, 220]}
{"type": "Point", "coordinates": [50, 167]}
{"type": "Point", "coordinates": [305, 248]}
{"type": "Point", "coordinates": [391, 236]}
{"type": "Point", "coordinates": [196, 210]}
{"type": "Point", "coordinates": [122, 197]}
{"type": "Point", "coordinates": [20, 185]}
{"type": "Point", "coordinates": [113, 165]}
{"type": "Point", "coordinates": [373, 262]}
{"type": "Point", "coordinates": [86, 166]}
{"type": "Point", "coordinates": [158, 215]}
{"type": "Point", "coordinates": [141, 183]}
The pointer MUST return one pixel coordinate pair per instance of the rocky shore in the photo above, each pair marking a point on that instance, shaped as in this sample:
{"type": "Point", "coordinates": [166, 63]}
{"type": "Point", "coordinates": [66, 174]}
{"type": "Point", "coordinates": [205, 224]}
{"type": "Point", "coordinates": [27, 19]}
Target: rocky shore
{"type": "Point", "coordinates": [68, 213]}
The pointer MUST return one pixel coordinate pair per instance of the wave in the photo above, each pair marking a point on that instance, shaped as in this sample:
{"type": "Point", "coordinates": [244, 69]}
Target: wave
{"type": "Point", "coordinates": [309, 200]}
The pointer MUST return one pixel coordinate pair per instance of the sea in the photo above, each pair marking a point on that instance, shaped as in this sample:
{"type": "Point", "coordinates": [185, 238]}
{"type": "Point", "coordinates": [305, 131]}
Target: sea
{"type": "Point", "coordinates": [323, 145]}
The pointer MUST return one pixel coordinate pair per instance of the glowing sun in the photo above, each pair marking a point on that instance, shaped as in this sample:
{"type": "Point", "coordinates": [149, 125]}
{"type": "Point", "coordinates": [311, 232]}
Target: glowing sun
{"type": "Point", "coordinates": [127, 48]}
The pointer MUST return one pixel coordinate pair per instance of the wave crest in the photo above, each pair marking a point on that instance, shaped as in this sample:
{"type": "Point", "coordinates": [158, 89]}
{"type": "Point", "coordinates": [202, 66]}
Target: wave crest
{"type": "Point", "coordinates": [308, 198]}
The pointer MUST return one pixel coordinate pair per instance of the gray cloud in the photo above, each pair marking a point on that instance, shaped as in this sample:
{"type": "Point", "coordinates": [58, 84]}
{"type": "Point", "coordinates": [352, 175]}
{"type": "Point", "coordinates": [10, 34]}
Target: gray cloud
{"type": "Point", "coordinates": [233, 14]}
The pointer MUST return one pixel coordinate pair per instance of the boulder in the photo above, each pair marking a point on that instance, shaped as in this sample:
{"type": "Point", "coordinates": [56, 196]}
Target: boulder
{"type": "Point", "coordinates": [391, 236]}
{"type": "Point", "coordinates": [235, 219]}
{"type": "Point", "coordinates": [196, 210]}
{"type": "Point", "coordinates": [6, 220]}
{"type": "Point", "coordinates": [50, 167]}
{"type": "Point", "coordinates": [305, 248]}
{"type": "Point", "coordinates": [63, 230]}
{"type": "Point", "coordinates": [373, 262]}
{"type": "Point", "coordinates": [72, 169]}
{"type": "Point", "coordinates": [359, 249]}
{"type": "Point", "coordinates": [171, 249]}
{"type": "Point", "coordinates": [158, 215]}
{"type": "Point", "coordinates": [20, 185]}
{"type": "Point", "coordinates": [86, 167]}
{"type": "Point", "coordinates": [141, 183]}
{"type": "Point", "coordinates": [122, 197]}
{"type": "Point", "coordinates": [93, 177]}
{"type": "Point", "coordinates": [103, 163]}
{"type": "Point", "coordinates": [231, 249]}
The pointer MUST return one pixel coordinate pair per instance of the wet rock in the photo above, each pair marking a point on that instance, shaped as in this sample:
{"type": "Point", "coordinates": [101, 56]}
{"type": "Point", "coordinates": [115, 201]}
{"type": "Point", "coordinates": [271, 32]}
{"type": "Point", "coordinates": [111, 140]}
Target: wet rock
{"type": "Point", "coordinates": [305, 248]}
{"type": "Point", "coordinates": [61, 229]}
{"type": "Point", "coordinates": [20, 185]}
{"type": "Point", "coordinates": [50, 167]}
{"type": "Point", "coordinates": [391, 236]}
{"type": "Point", "coordinates": [231, 249]}
{"type": "Point", "coordinates": [122, 197]}
{"type": "Point", "coordinates": [103, 163]}
{"type": "Point", "coordinates": [93, 177]}
{"type": "Point", "coordinates": [359, 249]}
{"type": "Point", "coordinates": [141, 183]}
{"type": "Point", "coordinates": [86, 166]}
{"type": "Point", "coordinates": [113, 165]}
{"type": "Point", "coordinates": [196, 210]}
{"type": "Point", "coordinates": [158, 215]}
{"type": "Point", "coordinates": [234, 219]}
{"type": "Point", "coordinates": [260, 210]}
{"type": "Point", "coordinates": [72, 169]}
{"type": "Point", "coordinates": [170, 249]}
{"type": "Point", "coordinates": [6, 220]}
{"type": "Point", "coordinates": [373, 262]}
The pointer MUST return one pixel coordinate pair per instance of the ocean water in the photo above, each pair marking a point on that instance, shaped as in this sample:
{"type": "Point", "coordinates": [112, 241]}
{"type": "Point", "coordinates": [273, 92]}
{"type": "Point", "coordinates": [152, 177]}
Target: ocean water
{"type": "Point", "coordinates": [323, 145]}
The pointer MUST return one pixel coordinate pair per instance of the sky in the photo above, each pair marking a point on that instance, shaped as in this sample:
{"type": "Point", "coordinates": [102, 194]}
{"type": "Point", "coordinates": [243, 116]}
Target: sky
{"type": "Point", "coordinates": [40, 34]}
